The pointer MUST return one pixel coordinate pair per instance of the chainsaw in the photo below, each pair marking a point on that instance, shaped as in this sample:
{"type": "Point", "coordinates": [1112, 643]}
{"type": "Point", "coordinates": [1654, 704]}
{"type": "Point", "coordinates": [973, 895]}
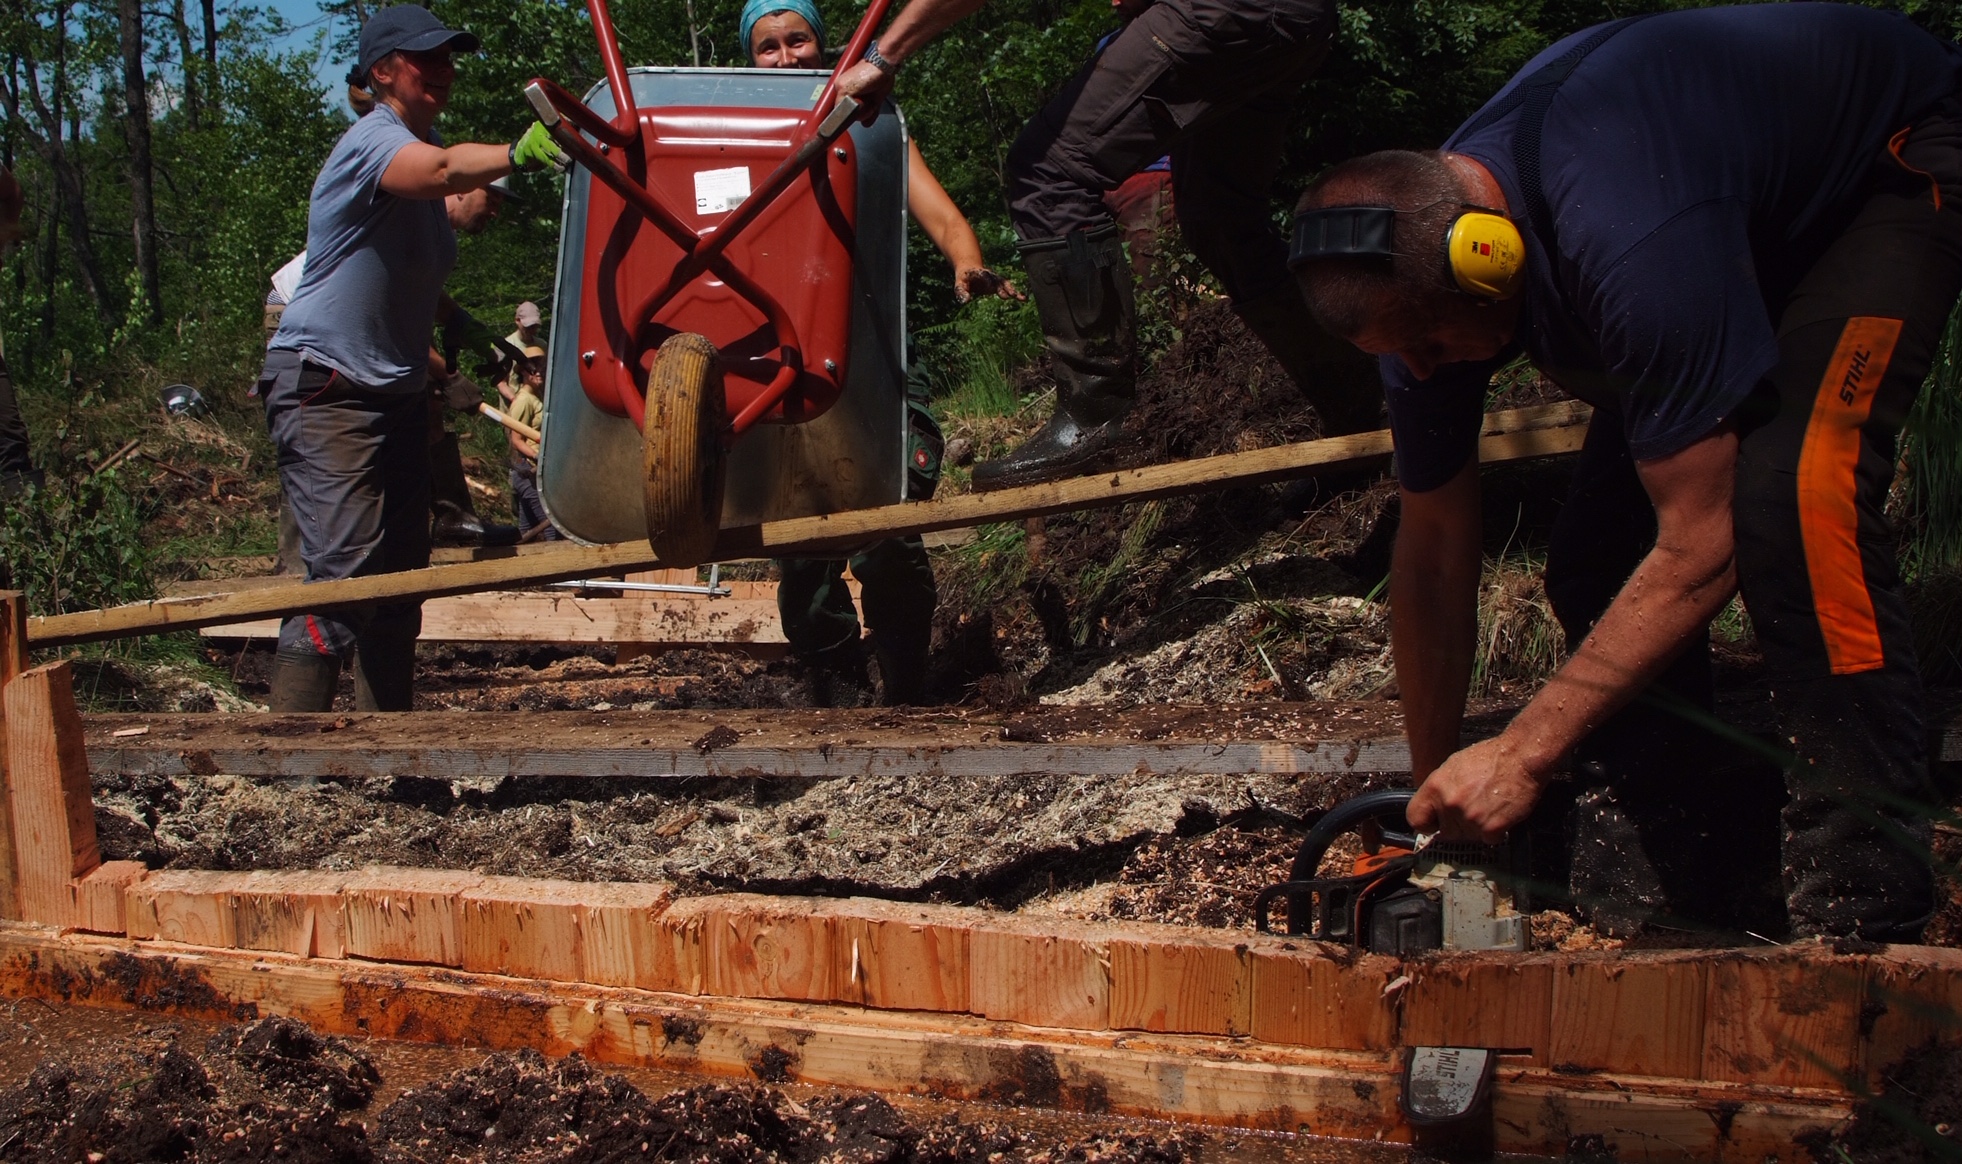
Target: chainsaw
{"type": "Point", "coordinates": [1404, 894]}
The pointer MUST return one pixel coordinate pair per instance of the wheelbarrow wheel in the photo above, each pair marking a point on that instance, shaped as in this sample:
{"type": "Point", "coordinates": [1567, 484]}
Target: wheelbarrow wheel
{"type": "Point", "coordinates": [681, 451]}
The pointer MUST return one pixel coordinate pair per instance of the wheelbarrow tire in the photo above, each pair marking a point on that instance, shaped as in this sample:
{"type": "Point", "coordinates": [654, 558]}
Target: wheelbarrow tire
{"type": "Point", "coordinates": [681, 451]}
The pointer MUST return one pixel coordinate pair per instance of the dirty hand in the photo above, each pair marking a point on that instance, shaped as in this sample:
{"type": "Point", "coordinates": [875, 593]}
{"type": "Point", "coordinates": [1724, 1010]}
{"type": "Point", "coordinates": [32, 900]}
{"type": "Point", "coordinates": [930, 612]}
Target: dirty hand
{"type": "Point", "coordinates": [535, 150]}
{"type": "Point", "coordinates": [980, 282]}
{"type": "Point", "coordinates": [1478, 794]}
{"type": "Point", "coordinates": [869, 85]}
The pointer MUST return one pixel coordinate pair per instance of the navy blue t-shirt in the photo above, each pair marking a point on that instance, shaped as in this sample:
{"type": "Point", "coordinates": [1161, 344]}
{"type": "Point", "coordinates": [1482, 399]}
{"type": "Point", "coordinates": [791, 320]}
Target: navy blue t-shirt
{"type": "Point", "coordinates": [1695, 165]}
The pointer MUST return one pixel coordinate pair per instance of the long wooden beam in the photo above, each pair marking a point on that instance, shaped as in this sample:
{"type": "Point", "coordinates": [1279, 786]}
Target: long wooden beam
{"type": "Point", "coordinates": [475, 748]}
{"type": "Point", "coordinates": [521, 616]}
{"type": "Point", "coordinates": [1541, 431]}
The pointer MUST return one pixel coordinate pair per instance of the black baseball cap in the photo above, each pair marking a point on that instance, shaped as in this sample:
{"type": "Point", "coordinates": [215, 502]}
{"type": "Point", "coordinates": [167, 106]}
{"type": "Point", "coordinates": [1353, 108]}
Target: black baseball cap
{"type": "Point", "coordinates": [408, 28]}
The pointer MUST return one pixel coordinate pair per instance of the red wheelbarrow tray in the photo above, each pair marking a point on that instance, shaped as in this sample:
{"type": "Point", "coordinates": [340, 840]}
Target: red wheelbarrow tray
{"type": "Point", "coordinates": [830, 251]}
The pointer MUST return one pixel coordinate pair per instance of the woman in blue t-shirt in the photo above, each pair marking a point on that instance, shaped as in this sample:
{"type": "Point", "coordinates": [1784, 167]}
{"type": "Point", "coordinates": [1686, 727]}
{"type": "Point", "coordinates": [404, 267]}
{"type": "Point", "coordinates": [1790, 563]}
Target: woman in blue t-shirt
{"type": "Point", "coordinates": [346, 373]}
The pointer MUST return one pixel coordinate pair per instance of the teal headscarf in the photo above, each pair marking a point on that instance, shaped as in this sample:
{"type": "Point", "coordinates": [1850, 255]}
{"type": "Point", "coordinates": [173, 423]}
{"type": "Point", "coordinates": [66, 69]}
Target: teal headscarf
{"type": "Point", "coordinates": [756, 10]}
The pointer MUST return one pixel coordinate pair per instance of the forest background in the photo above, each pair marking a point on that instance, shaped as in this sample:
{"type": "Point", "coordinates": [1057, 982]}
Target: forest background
{"type": "Point", "coordinates": [167, 156]}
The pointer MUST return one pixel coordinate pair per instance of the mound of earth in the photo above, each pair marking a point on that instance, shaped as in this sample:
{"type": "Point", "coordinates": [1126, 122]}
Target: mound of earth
{"type": "Point", "coordinates": [276, 1091]}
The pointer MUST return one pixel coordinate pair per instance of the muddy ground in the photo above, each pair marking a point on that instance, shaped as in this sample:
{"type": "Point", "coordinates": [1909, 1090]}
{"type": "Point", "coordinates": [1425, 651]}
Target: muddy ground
{"type": "Point", "coordinates": [112, 1088]}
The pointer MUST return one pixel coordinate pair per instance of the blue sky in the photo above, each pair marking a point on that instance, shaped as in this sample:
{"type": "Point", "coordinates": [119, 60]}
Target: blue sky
{"type": "Point", "coordinates": [308, 21]}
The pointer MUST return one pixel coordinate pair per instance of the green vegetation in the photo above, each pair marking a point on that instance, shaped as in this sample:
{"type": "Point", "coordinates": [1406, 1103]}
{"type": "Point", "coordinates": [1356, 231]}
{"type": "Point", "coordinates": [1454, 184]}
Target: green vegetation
{"type": "Point", "coordinates": [160, 201]}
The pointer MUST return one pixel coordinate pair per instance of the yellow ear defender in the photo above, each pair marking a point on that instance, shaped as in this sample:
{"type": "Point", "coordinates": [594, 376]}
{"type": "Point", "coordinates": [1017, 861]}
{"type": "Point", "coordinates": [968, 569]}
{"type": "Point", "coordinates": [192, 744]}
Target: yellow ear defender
{"type": "Point", "coordinates": [1486, 256]}
{"type": "Point", "coordinates": [1482, 250]}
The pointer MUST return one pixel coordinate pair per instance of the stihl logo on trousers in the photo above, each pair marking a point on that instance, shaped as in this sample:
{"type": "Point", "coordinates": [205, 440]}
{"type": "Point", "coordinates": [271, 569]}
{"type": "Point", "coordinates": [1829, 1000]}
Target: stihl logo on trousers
{"type": "Point", "coordinates": [1856, 370]}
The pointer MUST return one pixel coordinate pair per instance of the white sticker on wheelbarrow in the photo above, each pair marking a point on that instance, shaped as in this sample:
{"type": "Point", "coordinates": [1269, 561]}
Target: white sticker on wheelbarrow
{"type": "Point", "coordinates": [717, 191]}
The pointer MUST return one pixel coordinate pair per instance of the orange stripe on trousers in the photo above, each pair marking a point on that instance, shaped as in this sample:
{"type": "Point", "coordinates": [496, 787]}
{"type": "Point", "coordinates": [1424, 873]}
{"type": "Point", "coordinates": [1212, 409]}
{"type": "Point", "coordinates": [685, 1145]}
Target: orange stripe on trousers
{"type": "Point", "coordinates": [1828, 505]}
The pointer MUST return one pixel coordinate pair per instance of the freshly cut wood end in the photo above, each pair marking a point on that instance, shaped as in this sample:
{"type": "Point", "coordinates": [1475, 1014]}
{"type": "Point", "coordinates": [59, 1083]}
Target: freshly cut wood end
{"type": "Point", "coordinates": [297, 912]}
{"type": "Point", "coordinates": [183, 905]}
{"type": "Point", "coordinates": [406, 915]}
{"type": "Point", "coordinates": [101, 896]}
{"type": "Point", "coordinates": [1042, 972]}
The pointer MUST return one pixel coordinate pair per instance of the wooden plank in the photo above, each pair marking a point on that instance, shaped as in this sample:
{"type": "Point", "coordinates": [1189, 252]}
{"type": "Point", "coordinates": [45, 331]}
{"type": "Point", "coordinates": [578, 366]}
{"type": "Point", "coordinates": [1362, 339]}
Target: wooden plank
{"type": "Point", "coordinates": [1041, 972]}
{"type": "Point", "coordinates": [903, 956]}
{"type": "Point", "coordinates": [1175, 979]}
{"type": "Point", "coordinates": [1502, 1002]}
{"type": "Point", "coordinates": [13, 660]}
{"type": "Point", "coordinates": [1912, 994]}
{"type": "Point", "coordinates": [1546, 430]}
{"type": "Point", "coordinates": [1225, 1082]}
{"type": "Point", "coordinates": [299, 912]}
{"type": "Point", "coordinates": [47, 787]}
{"type": "Point", "coordinates": [766, 947]}
{"type": "Point", "coordinates": [1789, 1016]}
{"type": "Point", "coordinates": [185, 905]}
{"type": "Point", "coordinates": [623, 940]}
{"type": "Point", "coordinates": [522, 926]}
{"type": "Point", "coordinates": [101, 896]}
{"type": "Point", "coordinates": [478, 748]}
{"type": "Point", "coordinates": [1630, 1013]}
{"type": "Point", "coordinates": [526, 617]}
{"type": "Point", "coordinates": [1324, 996]}
{"type": "Point", "coordinates": [406, 915]}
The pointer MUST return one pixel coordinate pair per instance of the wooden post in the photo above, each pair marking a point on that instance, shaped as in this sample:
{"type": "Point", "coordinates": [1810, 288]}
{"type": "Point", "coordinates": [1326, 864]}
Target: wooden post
{"type": "Point", "coordinates": [13, 660]}
{"type": "Point", "coordinates": [47, 789]}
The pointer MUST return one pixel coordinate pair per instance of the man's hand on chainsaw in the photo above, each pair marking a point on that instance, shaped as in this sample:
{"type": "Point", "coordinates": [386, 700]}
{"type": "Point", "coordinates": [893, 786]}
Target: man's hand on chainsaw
{"type": "Point", "coordinates": [1479, 794]}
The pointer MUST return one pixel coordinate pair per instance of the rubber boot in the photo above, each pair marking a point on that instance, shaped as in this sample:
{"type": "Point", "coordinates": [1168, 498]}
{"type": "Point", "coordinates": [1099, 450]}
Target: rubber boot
{"type": "Point", "coordinates": [1082, 288]}
{"type": "Point", "coordinates": [1335, 376]}
{"type": "Point", "coordinates": [385, 671]}
{"type": "Point", "coordinates": [455, 521]}
{"type": "Point", "coordinates": [304, 682]}
{"type": "Point", "coordinates": [838, 677]}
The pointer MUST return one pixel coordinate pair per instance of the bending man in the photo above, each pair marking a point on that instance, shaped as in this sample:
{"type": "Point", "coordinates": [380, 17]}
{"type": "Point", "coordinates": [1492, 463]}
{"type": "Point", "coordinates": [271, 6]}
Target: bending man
{"type": "Point", "coordinates": [1740, 235]}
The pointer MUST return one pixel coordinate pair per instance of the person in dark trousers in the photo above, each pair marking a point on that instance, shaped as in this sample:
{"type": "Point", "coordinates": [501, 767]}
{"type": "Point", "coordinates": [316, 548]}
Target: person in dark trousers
{"type": "Point", "coordinates": [1737, 232]}
{"type": "Point", "coordinates": [895, 578]}
{"type": "Point", "coordinates": [345, 375]}
{"type": "Point", "coordinates": [1212, 83]}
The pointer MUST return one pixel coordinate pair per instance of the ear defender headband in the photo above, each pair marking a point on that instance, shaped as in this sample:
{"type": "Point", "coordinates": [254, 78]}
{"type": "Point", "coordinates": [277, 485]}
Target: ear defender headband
{"type": "Point", "coordinates": [1482, 250]}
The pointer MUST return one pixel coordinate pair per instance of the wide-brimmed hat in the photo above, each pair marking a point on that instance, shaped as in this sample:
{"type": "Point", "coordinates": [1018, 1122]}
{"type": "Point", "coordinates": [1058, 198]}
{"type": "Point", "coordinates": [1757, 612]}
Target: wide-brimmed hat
{"type": "Point", "coordinates": [408, 28]}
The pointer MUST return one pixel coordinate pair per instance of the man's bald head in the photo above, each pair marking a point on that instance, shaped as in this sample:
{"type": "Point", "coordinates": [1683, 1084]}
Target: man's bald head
{"type": "Point", "coordinates": [1352, 295]}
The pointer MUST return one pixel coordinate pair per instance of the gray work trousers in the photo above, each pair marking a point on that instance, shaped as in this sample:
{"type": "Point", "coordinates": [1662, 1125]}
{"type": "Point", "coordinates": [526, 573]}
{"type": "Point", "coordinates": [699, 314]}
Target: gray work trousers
{"type": "Point", "coordinates": [1212, 83]}
{"type": "Point", "coordinates": [355, 466]}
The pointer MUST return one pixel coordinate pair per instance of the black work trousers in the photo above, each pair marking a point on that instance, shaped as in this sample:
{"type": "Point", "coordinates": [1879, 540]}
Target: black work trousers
{"type": "Point", "coordinates": [354, 463]}
{"type": "Point", "coordinates": [1857, 332]}
{"type": "Point", "coordinates": [1212, 83]}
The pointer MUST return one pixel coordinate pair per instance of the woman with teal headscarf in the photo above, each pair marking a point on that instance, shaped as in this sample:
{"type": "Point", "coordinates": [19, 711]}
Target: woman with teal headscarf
{"type": "Point", "coordinates": [895, 579]}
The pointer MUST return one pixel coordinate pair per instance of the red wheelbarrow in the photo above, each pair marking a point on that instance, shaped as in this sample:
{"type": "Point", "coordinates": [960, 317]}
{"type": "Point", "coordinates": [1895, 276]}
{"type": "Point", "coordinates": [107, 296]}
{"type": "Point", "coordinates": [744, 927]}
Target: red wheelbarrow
{"type": "Point", "coordinates": [707, 303]}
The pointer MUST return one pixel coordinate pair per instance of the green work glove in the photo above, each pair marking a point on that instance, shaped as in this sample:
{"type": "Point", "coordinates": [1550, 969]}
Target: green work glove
{"type": "Point", "coordinates": [536, 150]}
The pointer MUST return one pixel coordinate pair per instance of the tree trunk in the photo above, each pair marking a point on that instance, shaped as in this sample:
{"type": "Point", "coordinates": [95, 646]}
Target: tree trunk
{"type": "Point", "coordinates": [187, 62]}
{"type": "Point", "coordinates": [68, 198]}
{"type": "Point", "coordinates": [212, 92]}
{"type": "Point", "coordinates": [142, 174]}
